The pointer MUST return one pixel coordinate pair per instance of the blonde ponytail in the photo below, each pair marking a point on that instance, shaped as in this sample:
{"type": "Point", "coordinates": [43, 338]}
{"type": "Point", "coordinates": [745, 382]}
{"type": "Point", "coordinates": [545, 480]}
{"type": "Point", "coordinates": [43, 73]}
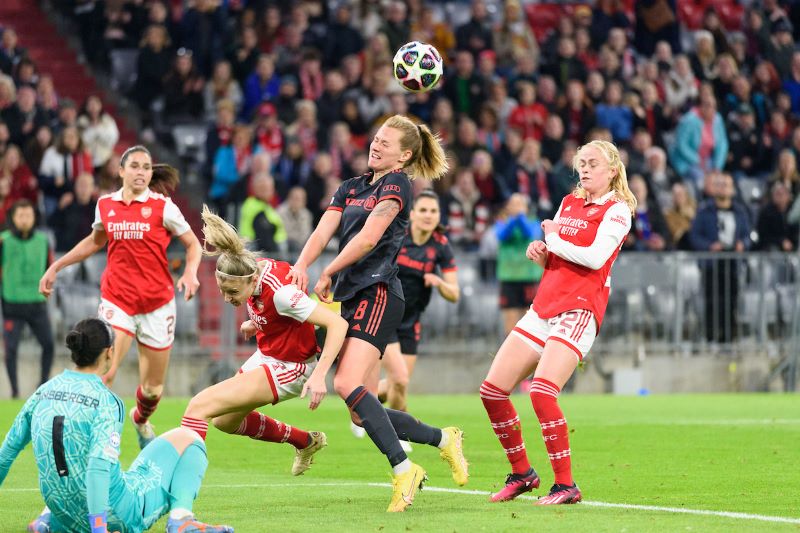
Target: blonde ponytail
{"type": "Point", "coordinates": [428, 160]}
{"type": "Point", "coordinates": [619, 183]}
{"type": "Point", "coordinates": [234, 257]}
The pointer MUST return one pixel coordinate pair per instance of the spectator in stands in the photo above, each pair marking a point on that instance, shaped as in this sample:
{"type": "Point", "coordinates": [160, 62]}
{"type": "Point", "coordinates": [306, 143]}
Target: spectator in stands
{"type": "Point", "coordinates": [25, 254]}
{"type": "Point", "coordinates": [305, 128]}
{"type": "Point", "coordinates": [24, 117]}
{"type": "Point", "coordinates": [595, 87]}
{"type": "Point", "coordinates": [294, 168]}
{"type": "Point", "coordinates": [297, 219]}
{"type": "Point", "coordinates": [765, 81]}
{"type": "Point", "coordinates": [513, 37]}
{"type": "Point", "coordinates": [584, 51]}
{"type": "Point", "coordinates": [27, 73]}
{"type": "Point", "coordinates": [649, 231]}
{"type": "Point", "coordinates": [203, 29]}
{"type": "Point", "coordinates": [35, 148]}
{"type": "Point", "coordinates": [463, 87]}
{"type": "Point", "coordinates": [721, 225]}
{"type": "Point", "coordinates": [183, 89]}
{"type": "Point", "coordinates": [8, 92]}
{"type": "Point", "coordinates": [427, 29]}
{"type": "Point", "coordinates": [563, 178]}
{"type": "Point", "coordinates": [271, 30]}
{"type": "Point", "coordinates": [577, 112]}
{"type": "Point", "coordinates": [108, 179]}
{"type": "Point", "coordinates": [680, 86]}
{"type": "Point", "coordinates": [374, 101]}
{"type": "Point", "coordinates": [259, 221]}
{"type": "Point", "coordinates": [286, 102]}
{"type": "Point", "coordinates": [232, 169]}
{"type": "Point", "coordinates": [396, 25]}
{"type": "Point", "coordinates": [656, 21]}
{"type": "Point", "coordinates": [652, 115]}
{"type": "Point", "coordinates": [565, 29]}
{"type": "Point", "coordinates": [703, 57]}
{"type": "Point", "coordinates": [442, 121]}
{"type": "Point", "coordinates": [565, 66]}
{"type": "Point", "coordinates": [98, 130]}
{"type": "Point", "coordinates": [262, 85]}
{"type": "Point", "coordinates": [47, 98]}
{"type": "Point", "coordinates": [5, 138]}
{"type": "Point", "coordinates": [614, 114]}
{"type": "Point", "coordinates": [640, 143]}
{"type": "Point", "coordinates": [529, 176]}
{"type": "Point", "coordinates": [75, 213]}
{"type": "Point", "coordinates": [746, 149]}
{"type": "Point", "coordinates": [659, 176]}
{"type": "Point", "coordinates": [61, 164]}
{"type": "Point", "coordinates": [467, 214]}
{"type": "Point", "coordinates": [310, 75]}
{"type": "Point", "coordinates": [488, 182]}
{"type": "Point", "coordinates": [779, 48]}
{"type": "Point", "coordinates": [219, 133]}
{"type": "Point", "coordinates": [23, 182]}
{"type": "Point", "coordinates": [606, 16]}
{"type": "Point", "coordinates": [244, 57]}
{"type": "Point", "coordinates": [701, 142]}
{"type": "Point", "coordinates": [330, 102]}
{"type": "Point", "coordinates": [775, 232]}
{"type": "Point", "coordinates": [466, 141]}
{"type": "Point", "coordinates": [221, 86]}
{"type": "Point", "coordinates": [67, 116]}
{"type": "Point", "coordinates": [268, 132]}
{"type": "Point", "coordinates": [476, 35]}
{"type": "Point", "coordinates": [490, 134]}
{"type": "Point", "coordinates": [6, 201]}
{"type": "Point", "coordinates": [786, 172]}
{"type": "Point", "coordinates": [529, 116]}
{"type": "Point", "coordinates": [498, 99]}
{"type": "Point", "coordinates": [152, 65]}
{"type": "Point", "coordinates": [342, 151]}
{"type": "Point", "coordinates": [518, 276]}
{"type": "Point", "coordinates": [10, 53]}
{"type": "Point", "coordinates": [342, 38]}
{"type": "Point", "coordinates": [679, 216]}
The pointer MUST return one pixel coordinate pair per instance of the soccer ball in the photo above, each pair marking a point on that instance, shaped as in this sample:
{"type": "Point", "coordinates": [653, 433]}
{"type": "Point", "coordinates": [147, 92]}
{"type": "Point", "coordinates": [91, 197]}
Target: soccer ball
{"type": "Point", "coordinates": [417, 66]}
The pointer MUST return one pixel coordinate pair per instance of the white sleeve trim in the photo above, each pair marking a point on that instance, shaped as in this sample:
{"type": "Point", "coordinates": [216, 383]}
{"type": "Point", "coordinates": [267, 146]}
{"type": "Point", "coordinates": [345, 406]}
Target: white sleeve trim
{"type": "Point", "coordinates": [294, 303]}
{"type": "Point", "coordinates": [98, 220]}
{"type": "Point", "coordinates": [173, 219]}
{"type": "Point", "coordinates": [612, 230]}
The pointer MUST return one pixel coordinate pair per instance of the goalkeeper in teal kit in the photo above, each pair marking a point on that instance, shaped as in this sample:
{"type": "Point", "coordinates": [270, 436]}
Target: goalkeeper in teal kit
{"type": "Point", "coordinates": [75, 423]}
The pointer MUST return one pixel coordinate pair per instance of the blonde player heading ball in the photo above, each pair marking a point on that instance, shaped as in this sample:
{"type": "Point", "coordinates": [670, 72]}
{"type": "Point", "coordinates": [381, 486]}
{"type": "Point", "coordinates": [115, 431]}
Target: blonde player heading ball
{"type": "Point", "coordinates": [137, 296]}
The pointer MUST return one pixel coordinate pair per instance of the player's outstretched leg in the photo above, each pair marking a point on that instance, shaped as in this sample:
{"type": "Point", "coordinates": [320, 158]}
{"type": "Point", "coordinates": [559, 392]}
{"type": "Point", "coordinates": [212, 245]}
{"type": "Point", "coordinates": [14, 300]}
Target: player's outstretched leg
{"type": "Point", "coordinates": [304, 457]}
{"type": "Point", "coordinates": [185, 485]}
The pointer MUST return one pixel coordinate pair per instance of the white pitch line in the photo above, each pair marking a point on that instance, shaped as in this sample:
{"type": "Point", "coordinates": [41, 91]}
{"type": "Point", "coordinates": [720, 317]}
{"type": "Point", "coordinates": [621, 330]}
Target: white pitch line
{"type": "Point", "coordinates": [590, 503]}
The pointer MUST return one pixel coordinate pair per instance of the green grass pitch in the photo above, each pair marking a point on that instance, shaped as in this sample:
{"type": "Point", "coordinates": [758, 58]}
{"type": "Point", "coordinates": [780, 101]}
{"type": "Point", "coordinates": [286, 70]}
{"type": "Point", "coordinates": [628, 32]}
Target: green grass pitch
{"type": "Point", "coordinates": [735, 456]}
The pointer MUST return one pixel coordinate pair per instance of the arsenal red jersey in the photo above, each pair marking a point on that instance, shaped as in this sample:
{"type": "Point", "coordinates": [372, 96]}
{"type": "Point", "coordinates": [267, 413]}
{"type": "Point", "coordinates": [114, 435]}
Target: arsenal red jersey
{"type": "Point", "coordinates": [137, 278]}
{"type": "Point", "coordinates": [577, 274]}
{"type": "Point", "coordinates": [279, 312]}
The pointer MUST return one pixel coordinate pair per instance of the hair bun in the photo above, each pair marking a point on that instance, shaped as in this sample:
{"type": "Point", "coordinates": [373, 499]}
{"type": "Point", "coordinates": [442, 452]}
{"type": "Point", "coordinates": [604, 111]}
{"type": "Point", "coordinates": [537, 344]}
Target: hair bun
{"type": "Point", "coordinates": [76, 341]}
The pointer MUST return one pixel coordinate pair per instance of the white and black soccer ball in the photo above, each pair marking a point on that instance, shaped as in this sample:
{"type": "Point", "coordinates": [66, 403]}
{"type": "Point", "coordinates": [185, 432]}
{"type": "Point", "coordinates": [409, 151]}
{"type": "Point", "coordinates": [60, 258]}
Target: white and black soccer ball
{"type": "Point", "coordinates": [417, 67]}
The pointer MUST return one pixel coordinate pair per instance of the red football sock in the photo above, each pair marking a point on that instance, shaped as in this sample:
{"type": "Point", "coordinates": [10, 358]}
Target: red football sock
{"type": "Point", "coordinates": [195, 424]}
{"type": "Point", "coordinates": [145, 407]}
{"type": "Point", "coordinates": [506, 425]}
{"type": "Point", "coordinates": [544, 397]}
{"type": "Point", "coordinates": [259, 426]}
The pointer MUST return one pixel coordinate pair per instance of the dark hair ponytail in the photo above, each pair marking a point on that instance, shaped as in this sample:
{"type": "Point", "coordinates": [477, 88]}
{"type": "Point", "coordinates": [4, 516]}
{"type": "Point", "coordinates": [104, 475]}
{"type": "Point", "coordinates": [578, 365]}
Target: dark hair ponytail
{"type": "Point", "coordinates": [88, 339]}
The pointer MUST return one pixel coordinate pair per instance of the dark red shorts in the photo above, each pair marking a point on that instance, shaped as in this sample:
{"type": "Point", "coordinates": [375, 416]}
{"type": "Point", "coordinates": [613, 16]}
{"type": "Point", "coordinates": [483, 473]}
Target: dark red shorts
{"type": "Point", "coordinates": [373, 315]}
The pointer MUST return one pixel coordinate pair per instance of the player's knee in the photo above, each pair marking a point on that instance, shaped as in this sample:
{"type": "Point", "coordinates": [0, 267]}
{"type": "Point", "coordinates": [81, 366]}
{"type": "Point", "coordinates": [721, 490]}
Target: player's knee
{"type": "Point", "coordinates": [343, 387]}
{"type": "Point", "coordinates": [400, 384]}
{"type": "Point", "coordinates": [197, 406]}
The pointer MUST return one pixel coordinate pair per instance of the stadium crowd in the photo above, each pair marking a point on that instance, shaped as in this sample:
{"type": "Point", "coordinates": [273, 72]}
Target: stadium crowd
{"type": "Point", "coordinates": [292, 91]}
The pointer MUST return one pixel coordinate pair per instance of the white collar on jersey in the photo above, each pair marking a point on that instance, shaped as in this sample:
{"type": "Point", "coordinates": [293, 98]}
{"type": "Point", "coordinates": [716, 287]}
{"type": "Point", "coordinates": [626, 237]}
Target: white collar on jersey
{"type": "Point", "coordinates": [603, 199]}
{"type": "Point", "coordinates": [117, 196]}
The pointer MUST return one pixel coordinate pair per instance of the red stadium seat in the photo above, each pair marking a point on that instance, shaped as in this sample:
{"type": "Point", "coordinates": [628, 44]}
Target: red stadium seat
{"type": "Point", "coordinates": [732, 15]}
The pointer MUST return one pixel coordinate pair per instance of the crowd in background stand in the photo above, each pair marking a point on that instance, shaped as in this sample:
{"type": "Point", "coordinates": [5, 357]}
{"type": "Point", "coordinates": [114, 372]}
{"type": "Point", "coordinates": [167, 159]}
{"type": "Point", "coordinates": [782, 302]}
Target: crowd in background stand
{"type": "Point", "coordinates": [292, 91]}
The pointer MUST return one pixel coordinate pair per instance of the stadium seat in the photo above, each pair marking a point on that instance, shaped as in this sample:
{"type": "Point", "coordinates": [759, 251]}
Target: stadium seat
{"type": "Point", "coordinates": [190, 141]}
{"type": "Point", "coordinates": [123, 69]}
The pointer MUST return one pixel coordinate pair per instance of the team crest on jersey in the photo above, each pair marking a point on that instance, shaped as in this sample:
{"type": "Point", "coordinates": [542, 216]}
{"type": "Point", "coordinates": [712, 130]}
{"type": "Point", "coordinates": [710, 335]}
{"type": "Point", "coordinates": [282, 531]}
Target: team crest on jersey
{"type": "Point", "coordinates": [592, 211]}
{"type": "Point", "coordinates": [370, 203]}
{"type": "Point", "coordinates": [431, 253]}
{"type": "Point", "coordinates": [259, 305]}
{"type": "Point", "coordinates": [147, 211]}
{"type": "Point", "coordinates": [109, 314]}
